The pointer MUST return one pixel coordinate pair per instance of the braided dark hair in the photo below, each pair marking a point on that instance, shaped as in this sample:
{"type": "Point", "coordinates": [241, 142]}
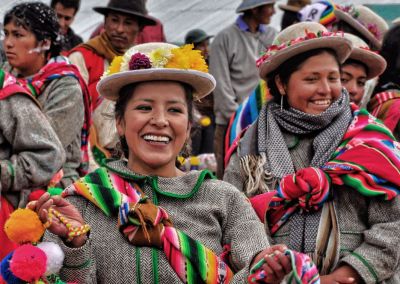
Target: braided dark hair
{"type": "Point", "coordinates": [39, 19]}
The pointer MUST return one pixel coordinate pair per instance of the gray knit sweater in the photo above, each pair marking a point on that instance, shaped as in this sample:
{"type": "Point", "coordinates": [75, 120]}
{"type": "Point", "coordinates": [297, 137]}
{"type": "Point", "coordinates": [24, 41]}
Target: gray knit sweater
{"type": "Point", "coordinates": [30, 152]}
{"type": "Point", "coordinates": [215, 215]}
{"type": "Point", "coordinates": [369, 228]}
{"type": "Point", "coordinates": [233, 56]}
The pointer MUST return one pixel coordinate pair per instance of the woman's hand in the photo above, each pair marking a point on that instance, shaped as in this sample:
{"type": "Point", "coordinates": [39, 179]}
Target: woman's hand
{"type": "Point", "coordinates": [343, 275]}
{"type": "Point", "coordinates": [67, 210]}
{"type": "Point", "coordinates": [276, 265]}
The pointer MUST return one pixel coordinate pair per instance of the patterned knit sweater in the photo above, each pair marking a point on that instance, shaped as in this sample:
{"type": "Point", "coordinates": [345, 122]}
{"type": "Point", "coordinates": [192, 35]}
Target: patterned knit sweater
{"type": "Point", "coordinates": [217, 214]}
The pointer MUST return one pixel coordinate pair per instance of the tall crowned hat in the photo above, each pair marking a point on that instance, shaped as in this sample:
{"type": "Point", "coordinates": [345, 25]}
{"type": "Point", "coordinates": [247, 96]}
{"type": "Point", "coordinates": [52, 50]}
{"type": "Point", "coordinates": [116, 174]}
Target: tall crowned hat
{"type": "Point", "coordinates": [299, 38]}
{"type": "Point", "coordinates": [369, 24]}
{"type": "Point", "coordinates": [157, 62]}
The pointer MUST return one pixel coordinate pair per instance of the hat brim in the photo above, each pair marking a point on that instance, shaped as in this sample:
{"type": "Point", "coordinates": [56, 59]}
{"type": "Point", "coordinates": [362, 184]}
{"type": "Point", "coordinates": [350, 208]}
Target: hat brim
{"type": "Point", "coordinates": [202, 83]}
{"type": "Point", "coordinates": [375, 63]}
{"type": "Point", "coordinates": [346, 17]}
{"type": "Point", "coordinates": [243, 7]}
{"type": "Point", "coordinates": [203, 38]}
{"type": "Point", "coordinates": [289, 8]}
{"type": "Point", "coordinates": [340, 45]}
{"type": "Point", "coordinates": [144, 19]}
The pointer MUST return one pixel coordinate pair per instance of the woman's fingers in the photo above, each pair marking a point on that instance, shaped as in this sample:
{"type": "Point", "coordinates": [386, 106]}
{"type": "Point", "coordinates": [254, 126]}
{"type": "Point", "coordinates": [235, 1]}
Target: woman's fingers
{"type": "Point", "coordinates": [284, 260]}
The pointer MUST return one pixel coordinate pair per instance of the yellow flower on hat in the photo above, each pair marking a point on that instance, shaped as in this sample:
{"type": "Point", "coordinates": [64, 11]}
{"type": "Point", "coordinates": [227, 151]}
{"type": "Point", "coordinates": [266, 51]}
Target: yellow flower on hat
{"type": "Point", "coordinates": [159, 57]}
{"type": "Point", "coordinates": [186, 58]}
{"type": "Point", "coordinates": [115, 66]}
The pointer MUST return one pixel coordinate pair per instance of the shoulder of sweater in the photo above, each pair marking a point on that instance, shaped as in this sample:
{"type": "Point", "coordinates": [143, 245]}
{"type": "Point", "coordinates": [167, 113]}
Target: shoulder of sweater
{"type": "Point", "coordinates": [220, 186]}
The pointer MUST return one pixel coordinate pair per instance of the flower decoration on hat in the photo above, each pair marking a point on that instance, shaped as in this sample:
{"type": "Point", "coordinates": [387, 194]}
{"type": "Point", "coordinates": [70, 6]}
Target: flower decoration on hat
{"type": "Point", "coordinates": [183, 57]}
{"type": "Point", "coordinates": [273, 49]}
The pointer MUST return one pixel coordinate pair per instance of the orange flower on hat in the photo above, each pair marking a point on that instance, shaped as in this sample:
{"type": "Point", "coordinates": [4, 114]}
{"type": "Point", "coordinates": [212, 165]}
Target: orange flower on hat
{"type": "Point", "coordinates": [186, 58]}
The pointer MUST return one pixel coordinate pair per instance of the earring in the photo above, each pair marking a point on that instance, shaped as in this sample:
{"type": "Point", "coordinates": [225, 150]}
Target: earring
{"type": "Point", "coordinates": [281, 102]}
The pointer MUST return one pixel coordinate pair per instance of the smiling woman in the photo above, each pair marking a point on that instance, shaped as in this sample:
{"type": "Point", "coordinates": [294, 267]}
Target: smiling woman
{"type": "Point", "coordinates": [306, 162]}
{"type": "Point", "coordinates": [154, 86]}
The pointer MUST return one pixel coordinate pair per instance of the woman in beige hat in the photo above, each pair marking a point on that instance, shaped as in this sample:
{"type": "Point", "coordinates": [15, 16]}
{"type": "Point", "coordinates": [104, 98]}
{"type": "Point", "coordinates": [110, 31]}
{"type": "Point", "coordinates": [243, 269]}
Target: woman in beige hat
{"type": "Point", "coordinates": [361, 66]}
{"type": "Point", "coordinates": [312, 164]}
{"type": "Point", "coordinates": [132, 239]}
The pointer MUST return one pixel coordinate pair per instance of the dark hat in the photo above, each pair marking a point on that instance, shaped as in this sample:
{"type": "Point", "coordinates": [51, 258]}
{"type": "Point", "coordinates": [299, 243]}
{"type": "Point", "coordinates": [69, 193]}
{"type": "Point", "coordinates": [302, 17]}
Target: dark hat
{"type": "Point", "coordinates": [196, 36]}
{"type": "Point", "coordinates": [131, 7]}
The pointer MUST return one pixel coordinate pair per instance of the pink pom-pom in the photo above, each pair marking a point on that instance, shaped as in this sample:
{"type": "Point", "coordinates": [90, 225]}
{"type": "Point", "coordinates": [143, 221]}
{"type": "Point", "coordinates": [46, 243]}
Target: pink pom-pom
{"type": "Point", "coordinates": [35, 195]}
{"type": "Point", "coordinates": [28, 263]}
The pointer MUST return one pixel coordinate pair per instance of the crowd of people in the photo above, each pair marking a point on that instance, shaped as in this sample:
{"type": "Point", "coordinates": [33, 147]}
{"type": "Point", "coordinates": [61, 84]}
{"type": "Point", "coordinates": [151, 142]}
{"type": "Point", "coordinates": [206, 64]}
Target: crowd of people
{"type": "Point", "coordinates": [302, 125]}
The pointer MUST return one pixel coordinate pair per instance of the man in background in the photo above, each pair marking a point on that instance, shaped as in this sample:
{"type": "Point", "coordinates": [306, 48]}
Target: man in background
{"type": "Point", "coordinates": [66, 11]}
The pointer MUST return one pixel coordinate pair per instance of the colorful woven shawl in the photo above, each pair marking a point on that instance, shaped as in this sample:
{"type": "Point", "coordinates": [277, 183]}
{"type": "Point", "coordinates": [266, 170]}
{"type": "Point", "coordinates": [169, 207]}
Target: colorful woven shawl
{"type": "Point", "coordinates": [367, 160]}
{"type": "Point", "coordinates": [54, 70]}
{"type": "Point", "coordinates": [246, 113]}
{"type": "Point", "coordinates": [386, 107]}
{"type": "Point", "coordinates": [303, 271]}
{"type": "Point", "coordinates": [145, 224]}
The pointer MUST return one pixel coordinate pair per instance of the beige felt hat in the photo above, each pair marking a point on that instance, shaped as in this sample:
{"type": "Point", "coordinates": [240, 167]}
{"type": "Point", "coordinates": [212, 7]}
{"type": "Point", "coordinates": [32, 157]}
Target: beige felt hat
{"type": "Point", "coordinates": [294, 5]}
{"type": "Point", "coordinates": [369, 24]}
{"type": "Point", "coordinates": [375, 63]}
{"type": "Point", "coordinates": [157, 61]}
{"type": "Point", "coordinates": [250, 4]}
{"type": "Point", "coordinates": [299, 38]}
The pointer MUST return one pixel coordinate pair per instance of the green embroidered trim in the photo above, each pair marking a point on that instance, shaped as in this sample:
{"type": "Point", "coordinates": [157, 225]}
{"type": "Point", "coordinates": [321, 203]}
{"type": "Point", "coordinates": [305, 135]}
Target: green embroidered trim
{"type": "Point", "coordinates": [154, 254]}
{"type": "Point", "coordinates": [2, 76]}
{"type": "Point", "coordinates": [138, 274]}
{"type": "Point", "coordinates": [203, 175]}
{"type": "Point", "coordinates": [32, 89]}
{"type": "Point", "coordinates": [83, 265]}
{"type": "Point", "coordinates": [365, 262]}
{"type": "Point", "coordinates": [10, 169]}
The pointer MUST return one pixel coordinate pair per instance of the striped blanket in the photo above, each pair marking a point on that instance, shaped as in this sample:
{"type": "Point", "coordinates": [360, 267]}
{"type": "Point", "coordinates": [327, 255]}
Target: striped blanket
{"type": "Point", "coordinates": [386, 107]}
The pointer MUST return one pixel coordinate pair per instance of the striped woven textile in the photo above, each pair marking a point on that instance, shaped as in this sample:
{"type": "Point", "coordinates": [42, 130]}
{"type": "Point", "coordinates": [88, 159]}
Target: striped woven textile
{"type": "Point", "coordinates": [145, 224]}
{"type": "Point", "coordinates": [303, 271]}
{"type": "Point", "coordinates": [386, 107]}
{"type": "Point", "coordinates": [367, 161]}
{"type": "Point", "coordinates": [246, 113]}
{"type": "Point", "coordinates": [55, 70]}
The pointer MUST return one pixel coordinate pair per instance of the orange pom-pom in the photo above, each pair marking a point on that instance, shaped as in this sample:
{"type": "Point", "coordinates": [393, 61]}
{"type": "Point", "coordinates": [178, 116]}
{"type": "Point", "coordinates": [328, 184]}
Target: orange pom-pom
{"type": "Point", "coordinates": [24, 226]}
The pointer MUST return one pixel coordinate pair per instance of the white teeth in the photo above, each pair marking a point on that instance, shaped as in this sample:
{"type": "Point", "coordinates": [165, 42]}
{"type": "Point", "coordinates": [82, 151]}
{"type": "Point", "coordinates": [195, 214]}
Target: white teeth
{"type": "Point", "coordinates": [322, 102]}
{"type": "Point", "coordinates": [155, 138]}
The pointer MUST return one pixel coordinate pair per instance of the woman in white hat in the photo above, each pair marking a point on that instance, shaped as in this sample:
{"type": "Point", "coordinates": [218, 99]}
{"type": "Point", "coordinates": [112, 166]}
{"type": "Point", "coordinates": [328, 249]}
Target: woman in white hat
{"type": "Point", "coordinates": [312, 164]}
{"type": "Point", "coordinates": [132, 239]}
{"type": "Point", "coordinates": [362, 65]}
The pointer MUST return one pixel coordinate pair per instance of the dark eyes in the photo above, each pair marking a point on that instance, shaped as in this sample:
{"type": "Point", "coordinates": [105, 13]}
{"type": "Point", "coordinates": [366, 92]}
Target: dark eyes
{"type": "Point", "coordinates": [149, 108]}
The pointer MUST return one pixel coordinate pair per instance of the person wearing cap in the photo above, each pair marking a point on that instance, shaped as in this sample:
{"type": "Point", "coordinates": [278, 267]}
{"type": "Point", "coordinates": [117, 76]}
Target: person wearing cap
{"type": "Point", "coordinates": [312, 163]}
{"type": "Point", "coordinates": [290, 11]}
{"type": "Point", "coordinates": [361, 21]}
{"type": "Point", "coordinates": [385, 101]}
{"type": "Point", "coordinates": [122, 21]}
{"type": "Point", "coordinates": [362, 65]}
{"type": "Point", "coordinates": [202, 135]}
{"type": "Point", "coordinates": [161, 209]}
{"type": "Point", "coordinates": [232, 63]}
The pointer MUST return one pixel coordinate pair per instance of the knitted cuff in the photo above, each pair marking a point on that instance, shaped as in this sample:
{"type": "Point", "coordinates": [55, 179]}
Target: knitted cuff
{"type": "Point", "coordinates": [362, 266]}
{"type": "Point", "coordinates": [77, 258]}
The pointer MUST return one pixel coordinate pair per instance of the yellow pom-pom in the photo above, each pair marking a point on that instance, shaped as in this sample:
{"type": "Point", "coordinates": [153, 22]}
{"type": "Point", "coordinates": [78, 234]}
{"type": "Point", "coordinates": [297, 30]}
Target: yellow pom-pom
{"type": "Point", "coordinates": [24, 226]}
{"type": "Point", "coordinates": [181, 160]}
{"type": "Point", "coordinates": [194, 161]}
{"type": "Point", "coordinates": [205, 121]}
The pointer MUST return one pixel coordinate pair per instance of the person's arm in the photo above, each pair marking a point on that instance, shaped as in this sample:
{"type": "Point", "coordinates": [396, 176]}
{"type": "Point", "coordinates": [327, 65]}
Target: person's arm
{"type": "Point", "coordinates": [244, 232]}
{"type": "Point", "coordinates": [378, 257]}
{"type": "Point", "coordinates": [65, 109]}
{"type": "Point", "coordinates": [224, 96]}
{"type": "Point", "coordinates": [77, 59]}
{"type": "Point", "coordinates": [37, 153]}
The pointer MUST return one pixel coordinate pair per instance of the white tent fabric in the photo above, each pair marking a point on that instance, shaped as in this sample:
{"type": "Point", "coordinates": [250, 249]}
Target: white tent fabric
{"type": "Point", "coordinates": [178, 16]}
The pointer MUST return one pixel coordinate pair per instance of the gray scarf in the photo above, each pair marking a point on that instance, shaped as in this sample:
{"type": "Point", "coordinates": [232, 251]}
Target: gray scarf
{"type": "Point", "coordinates": [330, 125]}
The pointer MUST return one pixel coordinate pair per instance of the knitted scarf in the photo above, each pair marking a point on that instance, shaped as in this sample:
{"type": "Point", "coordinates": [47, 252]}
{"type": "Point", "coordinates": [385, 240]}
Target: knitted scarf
{"type": "Point", "coordinates": [145, 224]}
{"type": "Point", "coordinates": [56, 68]}
{"type": "Point", "coordinates": [386, 107]}
{"type": "Point", "coordinates": [247, 112]}
{"type": "Point", "coordinates": [367, 160]}
{"type": "Point", "coordinates": [102, 46]}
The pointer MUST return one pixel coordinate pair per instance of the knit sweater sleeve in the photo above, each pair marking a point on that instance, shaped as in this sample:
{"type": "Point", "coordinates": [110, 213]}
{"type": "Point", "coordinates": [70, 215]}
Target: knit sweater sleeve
{"type": "Point", "coordinates": [224, 95]}
{"type": "Point", "coordinates": [378, 257]}
{"type": "Point", "coordinates": [244, 232]}
{"type": "Point", "coordinates": [36, 153]}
